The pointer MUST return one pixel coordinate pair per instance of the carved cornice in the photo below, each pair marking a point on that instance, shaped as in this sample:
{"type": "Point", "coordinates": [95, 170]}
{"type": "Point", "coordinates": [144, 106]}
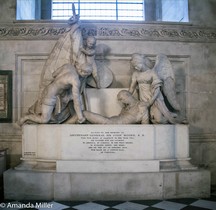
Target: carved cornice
{"type": "Point", "coordinates": [32, 31]}
{"type": "Point", "coordinates": [115, 31]}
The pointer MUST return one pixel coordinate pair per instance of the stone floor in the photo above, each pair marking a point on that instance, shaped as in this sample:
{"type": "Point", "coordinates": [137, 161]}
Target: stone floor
{"type": "Point", "coordinates": [170, 204]}
{"type": "Point", "coordinates": [189, 204]}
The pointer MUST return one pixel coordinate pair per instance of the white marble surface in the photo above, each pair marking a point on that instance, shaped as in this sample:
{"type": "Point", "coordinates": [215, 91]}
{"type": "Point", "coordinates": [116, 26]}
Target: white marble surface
{"type": "Point", "coordinates": [104, 101]}
{"type": "Point", "coordinates": [105, 142]}
{"type": "Point", "coordinates": [105, 186]}
{"type": "Point", "coordinates": [100, 166]}
{"type": "Point", "coordinates": [94, 147]}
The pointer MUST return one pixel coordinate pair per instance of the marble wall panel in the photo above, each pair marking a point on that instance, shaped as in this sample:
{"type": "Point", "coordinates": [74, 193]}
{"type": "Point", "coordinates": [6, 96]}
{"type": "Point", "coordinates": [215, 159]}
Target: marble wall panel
{"type": "Point", "coordinates": [203, 154]}
{"type": "Point", "coordinates": [29, 68]}
{"type": "Point", "coordinates": [13, 144]}
{"type": "Point", "coordinates": [202, 99]}
{"type": "Point", "coordinates": [202, 120]}
{"type": "Point", "coordinates": [121, 47]}
{"type": "Point", "coordinates": [40, 185]}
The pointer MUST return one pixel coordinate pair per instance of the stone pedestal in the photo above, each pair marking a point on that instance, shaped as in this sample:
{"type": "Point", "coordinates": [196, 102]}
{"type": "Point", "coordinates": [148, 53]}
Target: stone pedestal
{"type": "Point", "coordinates": [105, 148]}
{"type": "Point", "coordinates": [105, 162]}
{"type": "Point", "coordinates": [35, 185]}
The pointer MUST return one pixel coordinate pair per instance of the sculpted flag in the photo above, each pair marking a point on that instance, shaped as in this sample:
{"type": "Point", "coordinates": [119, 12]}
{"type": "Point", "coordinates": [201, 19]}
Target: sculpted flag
{"type": "Point", "coordinates": [65, 51]}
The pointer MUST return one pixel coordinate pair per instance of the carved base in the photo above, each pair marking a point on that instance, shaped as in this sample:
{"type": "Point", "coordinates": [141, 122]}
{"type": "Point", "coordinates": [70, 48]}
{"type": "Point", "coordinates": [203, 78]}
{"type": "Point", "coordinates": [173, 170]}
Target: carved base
{"type": "Point", "coordinates": [32, 185]}
{"type": "Point", "coordinates": [99, 162]}
{"type": "Point", "coordinates": [119, 148]}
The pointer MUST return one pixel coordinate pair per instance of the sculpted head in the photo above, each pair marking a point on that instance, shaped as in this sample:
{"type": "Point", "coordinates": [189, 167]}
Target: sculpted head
{"type": "Point", "coordinates": [125, 97]}
{"type": "Point", "coordinates": [90, 42]}
{"type": "Point", "coordinates": [84, 70]}
{"type": "Point", "coordinates": [141, 62]}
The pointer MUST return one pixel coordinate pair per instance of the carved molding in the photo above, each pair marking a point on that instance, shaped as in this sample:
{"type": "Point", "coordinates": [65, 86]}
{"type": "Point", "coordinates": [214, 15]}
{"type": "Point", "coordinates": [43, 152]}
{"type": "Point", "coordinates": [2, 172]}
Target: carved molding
{"type": "Point", "coordinates": [148, 32]}
{"type": "Point", "coordinates": [152, 32]}
{"type": "Point", "coordinates": [203, 138]}
{"type": "Point", "coordinates": [10, 138]}
{"type": "Point", "coordinates": [33, 31]}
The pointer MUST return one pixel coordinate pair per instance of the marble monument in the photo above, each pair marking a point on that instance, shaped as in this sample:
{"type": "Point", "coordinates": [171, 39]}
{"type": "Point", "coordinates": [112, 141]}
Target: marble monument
{"type": "Point", "coordinates": [76, 147]}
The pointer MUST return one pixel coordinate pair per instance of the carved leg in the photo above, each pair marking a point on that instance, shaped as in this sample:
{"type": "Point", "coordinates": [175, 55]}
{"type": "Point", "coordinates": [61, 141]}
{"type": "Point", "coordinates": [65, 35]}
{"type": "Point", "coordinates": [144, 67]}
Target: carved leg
{"type": "Point", "coordinates": [43, 118]}
{"type": "Point", "coordinates": [96, 118]}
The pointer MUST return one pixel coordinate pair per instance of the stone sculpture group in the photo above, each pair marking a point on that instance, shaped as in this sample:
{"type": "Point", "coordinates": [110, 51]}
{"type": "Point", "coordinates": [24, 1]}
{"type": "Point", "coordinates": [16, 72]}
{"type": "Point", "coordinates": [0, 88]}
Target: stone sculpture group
{"type": "Point", "coordinates": [67, 71]}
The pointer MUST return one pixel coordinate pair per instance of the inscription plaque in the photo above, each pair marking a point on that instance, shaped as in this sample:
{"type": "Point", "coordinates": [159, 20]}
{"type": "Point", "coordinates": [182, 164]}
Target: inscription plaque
{"type": "Point", "coordinates": [107, 142]}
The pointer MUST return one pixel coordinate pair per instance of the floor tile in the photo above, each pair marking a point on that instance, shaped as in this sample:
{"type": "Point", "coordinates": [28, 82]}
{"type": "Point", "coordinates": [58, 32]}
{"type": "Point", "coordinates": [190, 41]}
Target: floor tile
{"type": "Point", "coordinates": [185, 201]}
{"type": "Point", "coordinates": [76, 203]}
{"type": "Point", "coordinates": [66, 203]}
{"type": "Point", "coordinates": [90, 206]}
{"type": "Point", "coordinates": [111, 208]}
{"type": "Point", "coordinates": [193, 208]}
{"type": "Point", "coordinates": [109, 203]}
{"type": "Point", "coordinates": [146, 202]}
{"type": "Point", "coordinates": [168, 205]}
{"type": "Point", "coordinates": [205, 204]}
{"type": "Point", "coordinates": [52, 205]}
{"type": "Point", "coordinates": [130, 206]}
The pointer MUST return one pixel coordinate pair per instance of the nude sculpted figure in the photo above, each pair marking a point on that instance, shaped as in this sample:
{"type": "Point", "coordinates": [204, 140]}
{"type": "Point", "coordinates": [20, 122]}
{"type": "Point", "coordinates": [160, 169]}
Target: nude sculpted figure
{"type": "Point", "coordinates": [133, 111]}
{"type": "Point", "coordinates": [66, 77]}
